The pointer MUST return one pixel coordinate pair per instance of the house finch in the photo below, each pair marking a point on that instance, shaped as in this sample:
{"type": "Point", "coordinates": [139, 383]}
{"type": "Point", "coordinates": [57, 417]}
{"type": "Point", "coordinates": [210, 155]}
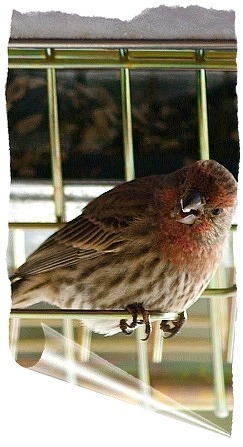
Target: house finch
{"type": "Point", "coordinates": [152, 243]}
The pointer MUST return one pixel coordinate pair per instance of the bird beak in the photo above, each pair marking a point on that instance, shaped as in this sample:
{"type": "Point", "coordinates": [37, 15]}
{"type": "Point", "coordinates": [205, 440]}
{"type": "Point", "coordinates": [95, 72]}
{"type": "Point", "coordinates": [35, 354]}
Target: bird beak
{"type": "Point", "coordinates": [192, 201]}
{"type": "Point", "coordinates": [191, 207]}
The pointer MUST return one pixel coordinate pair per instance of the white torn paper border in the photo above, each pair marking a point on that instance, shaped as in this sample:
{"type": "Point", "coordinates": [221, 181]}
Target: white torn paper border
{"type": "Point", "coordinates": [39, 410]}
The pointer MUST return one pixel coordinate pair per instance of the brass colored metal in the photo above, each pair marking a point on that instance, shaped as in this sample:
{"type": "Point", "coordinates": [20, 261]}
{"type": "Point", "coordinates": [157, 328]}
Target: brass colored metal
{"type": "Point", "coordinates": [226, 292]}
{"type": "Point", "coordinates": [202, 111]}
{"type": "Point", "coordinates": [85, 58]}
{"type": "Point", "coordinates": [129, 167]}
{"type": "Point", "coordinates": [221, 408]}
{"type": "Point", "coordinates": [55, 143]}
{"type": "Point", "coordinates": [49, 314]}
{"type": "Point", "coordinates": [101, 44]}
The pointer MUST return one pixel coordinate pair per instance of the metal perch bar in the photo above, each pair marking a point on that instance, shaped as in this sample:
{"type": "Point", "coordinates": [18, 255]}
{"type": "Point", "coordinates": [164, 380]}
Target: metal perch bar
{"type": "Point", "coordinates": [50, 314]}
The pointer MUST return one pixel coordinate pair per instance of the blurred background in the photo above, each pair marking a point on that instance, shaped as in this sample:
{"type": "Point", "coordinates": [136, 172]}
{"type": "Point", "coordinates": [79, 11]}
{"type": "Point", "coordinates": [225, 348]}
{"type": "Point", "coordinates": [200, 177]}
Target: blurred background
{"type": "Point", "coordinates": [164, 120]}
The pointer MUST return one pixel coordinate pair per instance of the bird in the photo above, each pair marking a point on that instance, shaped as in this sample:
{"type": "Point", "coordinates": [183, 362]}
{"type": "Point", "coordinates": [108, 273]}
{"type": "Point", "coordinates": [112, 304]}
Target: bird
{"type": "Point", "coordinates": [149, 244]}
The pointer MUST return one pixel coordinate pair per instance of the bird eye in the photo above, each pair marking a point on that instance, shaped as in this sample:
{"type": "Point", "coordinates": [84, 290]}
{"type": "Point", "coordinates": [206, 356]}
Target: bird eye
{"type": "Point", "coordinates": [217, 211]}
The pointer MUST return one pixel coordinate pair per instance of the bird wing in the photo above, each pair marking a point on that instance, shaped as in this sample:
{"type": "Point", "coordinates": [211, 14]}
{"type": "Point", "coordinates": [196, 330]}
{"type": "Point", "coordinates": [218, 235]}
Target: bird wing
{"type": "Point", "coordinates": [101, 228]}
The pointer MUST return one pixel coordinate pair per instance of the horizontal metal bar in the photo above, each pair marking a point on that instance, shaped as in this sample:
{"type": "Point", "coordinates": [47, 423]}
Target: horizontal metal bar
{"type": "Point", "coordinates": [83, 314]}
{"type": "Point", "coordinates": [132, 65]}
{"type": "Point", "coordinates": [35, 225]}
{"type": "Point", "coordinates": [29, 199]}
{"type": "Point", "coordinates": [227, 292]}
{"type": "Point", "coordinates": [105, 58]}
{"type": "Point", "coordinates": [117, 55]}
{"type": "Point", "coordinates": [121, 43]}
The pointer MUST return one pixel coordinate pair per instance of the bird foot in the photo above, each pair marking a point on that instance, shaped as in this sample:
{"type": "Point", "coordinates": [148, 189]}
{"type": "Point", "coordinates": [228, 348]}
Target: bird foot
{"type": "Point", "coordinates": [135, 310]}
{"type": "Point", "coordinates": [172, 327]}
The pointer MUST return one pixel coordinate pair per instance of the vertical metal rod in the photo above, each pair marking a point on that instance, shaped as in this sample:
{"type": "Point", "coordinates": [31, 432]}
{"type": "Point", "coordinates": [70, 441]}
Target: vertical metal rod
{"type": "Point", "coordinates": [221, 409]}
{"type": "Point", "coordinates": [230, 342]}
{"type": "Point", "coordinates": [84, 353]}
{"type": "Point", "coordinates": [19, 254]}
{"type": "Point", "coordinates": [55, 142]}
{"type": "Point", "coordinates": [69, 349]}
{"type": "Point", "coordinates": [142, 348]}
{"type": "Point", "coordinates": [129, 166]}
{"type": "Point", "coordinates": [143, 366]}
{"type": "Point", "coordinates": [218, 371]}
{"type": "Point", "coordinates": [19, 257]}
{"type": "Point", "coordinates": [233, 311]}
{"type": "Point", "coordinates": [158, 344]}
{"type": "Point", "coordinates": [202, 111]}
{"type": "Point", "coordinates": [14, 332]}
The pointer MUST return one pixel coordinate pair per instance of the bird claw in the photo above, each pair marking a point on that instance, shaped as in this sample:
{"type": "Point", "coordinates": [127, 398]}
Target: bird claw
{"type": "Point", "coordinates": [165, 325]}
{"type": "Point", "coordinates": [169, 327]}
{"type": "Point", "coordinates": [135, 310]}
{"type": "Point", "coordinates": [124, 326]}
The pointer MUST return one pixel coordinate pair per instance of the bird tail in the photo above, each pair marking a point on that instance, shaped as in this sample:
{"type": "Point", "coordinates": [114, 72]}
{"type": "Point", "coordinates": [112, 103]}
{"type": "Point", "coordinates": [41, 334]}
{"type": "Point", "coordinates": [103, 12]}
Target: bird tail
{"type": "Point", "coordinates": [25, 293]}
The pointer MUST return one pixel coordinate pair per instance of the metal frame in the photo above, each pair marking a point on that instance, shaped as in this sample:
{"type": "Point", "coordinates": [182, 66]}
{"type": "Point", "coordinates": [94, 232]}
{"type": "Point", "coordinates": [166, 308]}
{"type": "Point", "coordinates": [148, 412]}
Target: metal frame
{"type": "Point", "coordinates": [126, 56]}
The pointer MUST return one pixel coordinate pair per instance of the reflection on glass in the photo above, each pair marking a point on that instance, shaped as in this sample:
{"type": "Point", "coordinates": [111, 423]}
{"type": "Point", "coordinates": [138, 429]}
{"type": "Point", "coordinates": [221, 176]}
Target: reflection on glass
{"type": "Point", "coordinates": [27, 108]}
{"type": "Point", "coordinates": [164, 112]}
{"type": "Point", "coordinates": [164, 120]}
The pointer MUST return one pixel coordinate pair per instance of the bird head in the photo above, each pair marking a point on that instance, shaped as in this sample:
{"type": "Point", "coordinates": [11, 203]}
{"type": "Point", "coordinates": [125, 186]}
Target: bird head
{"type": "Point", "coordinates": [207, 190]}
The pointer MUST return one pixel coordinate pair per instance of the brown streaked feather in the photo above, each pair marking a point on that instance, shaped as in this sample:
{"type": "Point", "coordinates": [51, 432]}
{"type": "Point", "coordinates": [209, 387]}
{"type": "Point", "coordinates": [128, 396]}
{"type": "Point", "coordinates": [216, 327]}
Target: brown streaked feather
{"type": "Point", "coordinates": [101, 228]}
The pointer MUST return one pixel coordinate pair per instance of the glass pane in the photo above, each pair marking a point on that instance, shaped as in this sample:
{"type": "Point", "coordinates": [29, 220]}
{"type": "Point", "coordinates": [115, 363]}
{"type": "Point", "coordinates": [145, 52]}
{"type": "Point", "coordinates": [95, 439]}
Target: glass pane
{"type": "Point", "coordinates": [222, 119]}
{"type": "Point", "coordinates": [165, 124]}
{"type": "Point", "coordinates": [90, 123]}
{"type": "Point", "coordinates": [28, 123]}
{"type": "Point", "coordinates": [164, 120]}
